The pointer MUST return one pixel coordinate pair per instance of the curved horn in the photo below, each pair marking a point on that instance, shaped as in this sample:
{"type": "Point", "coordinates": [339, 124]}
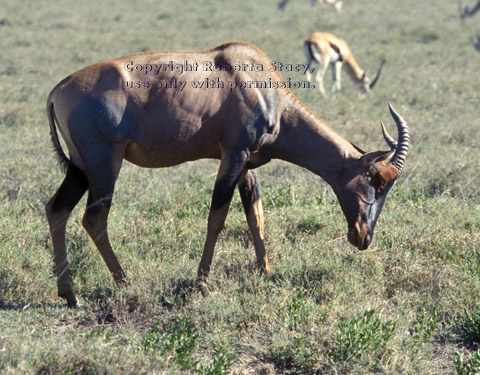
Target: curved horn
{"type": "Point", "coordinates": [382, 63]}
{"type": "Point", "coordinates": [401, 149]}
{"type": "Point", "coordinates": [391, 142]}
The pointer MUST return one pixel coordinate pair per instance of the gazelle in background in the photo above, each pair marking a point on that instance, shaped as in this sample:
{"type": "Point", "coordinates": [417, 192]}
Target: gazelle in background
{"type": "Point", "coordinates": [325, 49]}
{"type": "Point", "coordinates": [467, 12]}
{"type": "Point", "coordinates": [336, 3]}
{"type": "Point", "coordinates": [164, 121]}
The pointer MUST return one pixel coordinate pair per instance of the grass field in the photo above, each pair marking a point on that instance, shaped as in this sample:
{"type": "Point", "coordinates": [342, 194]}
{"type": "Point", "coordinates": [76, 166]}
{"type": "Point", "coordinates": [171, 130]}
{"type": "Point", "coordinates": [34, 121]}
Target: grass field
{"type": "Point", "coordinates": [409, 305]}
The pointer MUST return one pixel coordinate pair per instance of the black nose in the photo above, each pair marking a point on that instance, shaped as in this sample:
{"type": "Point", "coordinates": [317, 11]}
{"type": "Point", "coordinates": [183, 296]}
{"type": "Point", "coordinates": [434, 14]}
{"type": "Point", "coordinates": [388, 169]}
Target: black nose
{"type": "Point", "coordinates": [366, 241]}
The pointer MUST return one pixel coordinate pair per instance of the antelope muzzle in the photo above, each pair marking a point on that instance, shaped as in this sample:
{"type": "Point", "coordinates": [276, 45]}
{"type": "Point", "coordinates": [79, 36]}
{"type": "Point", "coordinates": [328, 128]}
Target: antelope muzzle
{"type": "Point", "coordinates": [360, 236]}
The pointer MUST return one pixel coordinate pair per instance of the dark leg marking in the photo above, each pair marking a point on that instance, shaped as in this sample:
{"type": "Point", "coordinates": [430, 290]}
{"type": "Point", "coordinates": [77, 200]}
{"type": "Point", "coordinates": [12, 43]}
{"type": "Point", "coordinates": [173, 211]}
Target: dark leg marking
{"type": "Point", "coordinates": [252, 204]}
{"type": "Point", "coordinates": [58, 210]}
{"type": "Point", "coordinates": [231, 168]}
{"type": "Point", "coordinates": [71, 190]}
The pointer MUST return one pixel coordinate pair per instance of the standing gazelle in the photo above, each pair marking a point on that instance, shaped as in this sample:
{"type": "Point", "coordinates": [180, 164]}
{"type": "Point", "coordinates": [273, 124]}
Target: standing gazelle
{"type": "Point", "coordinates": [145, 108]}
{"type": "Point", "coordinates": [326, 49]}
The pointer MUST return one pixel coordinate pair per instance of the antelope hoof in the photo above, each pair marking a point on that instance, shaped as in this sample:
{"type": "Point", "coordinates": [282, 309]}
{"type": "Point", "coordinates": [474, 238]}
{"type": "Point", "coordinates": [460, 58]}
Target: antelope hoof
{"type": "Point", "coordinates": [264, 268]}
{"type": "Point", "coordinates": [201, 286]}
{"type": "Point", "coordinates": [121, 282]}
{"type": "Point", "coordinates": [70, 297]}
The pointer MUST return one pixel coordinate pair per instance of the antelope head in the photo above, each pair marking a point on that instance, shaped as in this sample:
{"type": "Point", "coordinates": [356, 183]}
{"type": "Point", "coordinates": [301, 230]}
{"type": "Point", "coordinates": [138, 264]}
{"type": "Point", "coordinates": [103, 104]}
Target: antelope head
{"type": "Point", "coordinates": [362, 189]}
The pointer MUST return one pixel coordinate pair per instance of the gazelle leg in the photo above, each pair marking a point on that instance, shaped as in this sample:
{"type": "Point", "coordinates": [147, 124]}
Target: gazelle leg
{"type": "Point", "coordinates": [102, 177]}
{"type": "Point", "coordinates": [58, 211]}
{"type": "Point", "coordinates": [320, 74]}
{"type": "Point", "coordinates": [336, 76]}
{"type": "Point", "coordinates": [252, 204]}
{"type": "Point", "coordinates": [231, 167]}
{"type": "Point", "coordinates": [308, 76]}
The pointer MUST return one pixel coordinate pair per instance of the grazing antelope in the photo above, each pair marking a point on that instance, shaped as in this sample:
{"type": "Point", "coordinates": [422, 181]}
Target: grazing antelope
{"type": "Point", "coordinates": [326, 49]}
{"type": "Point", "coordinates": [467, 12]}
{"type": "Point", "coordinates": [336, 3]}
{"type": "Point", "coordinates": [166, 119]}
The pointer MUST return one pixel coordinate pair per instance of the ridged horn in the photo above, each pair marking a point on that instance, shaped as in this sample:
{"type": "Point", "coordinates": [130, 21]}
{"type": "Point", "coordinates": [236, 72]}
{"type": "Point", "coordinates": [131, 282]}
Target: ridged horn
{"type": "Point", "coordinates": [401, 147]}
{"type": "Point", "coordinates": [382, 63]}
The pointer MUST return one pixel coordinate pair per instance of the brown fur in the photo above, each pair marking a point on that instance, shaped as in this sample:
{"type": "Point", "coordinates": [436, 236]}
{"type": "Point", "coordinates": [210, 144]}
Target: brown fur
{"type": "Point", "coordinates": [103, 122]}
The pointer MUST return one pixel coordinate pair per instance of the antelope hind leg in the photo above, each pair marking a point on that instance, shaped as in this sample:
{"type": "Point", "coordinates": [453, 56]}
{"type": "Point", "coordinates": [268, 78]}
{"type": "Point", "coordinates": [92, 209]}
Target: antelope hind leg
{"type": "Point", "coordinates": [103, 167]}
{"type": "Point", "coordinates": [58, 211]}
{"type": "Point", "coordinates": [252, 204]}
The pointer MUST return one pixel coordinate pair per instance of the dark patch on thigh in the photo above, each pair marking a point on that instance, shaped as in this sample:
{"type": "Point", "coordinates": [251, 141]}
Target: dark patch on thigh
{"type": "Point", "coordinates": [71, 190]}
{"type": "Point", "coordinates": [225, 185]}
{"type": "Point", "coordinates": [223, 192]}
{"type": "Point", "coordinates": [102, 118]}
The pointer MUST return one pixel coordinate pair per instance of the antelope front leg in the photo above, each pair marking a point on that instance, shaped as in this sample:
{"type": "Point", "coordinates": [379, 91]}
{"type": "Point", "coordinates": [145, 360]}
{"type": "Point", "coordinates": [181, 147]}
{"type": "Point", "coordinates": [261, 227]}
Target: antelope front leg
{"type": "Point", "coordinates": [336, 76]}
{"type": "Point", "coordinates": [228, 175]}
{"type": "Point", "coordinates": [320, 74]}
{"type": "Point", "coordinates": [252, 204]}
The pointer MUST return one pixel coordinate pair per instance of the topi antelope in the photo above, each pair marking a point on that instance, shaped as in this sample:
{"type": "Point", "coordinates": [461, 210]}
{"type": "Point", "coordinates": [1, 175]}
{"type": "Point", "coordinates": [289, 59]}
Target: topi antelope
{"type": "Point", "coordinates": [104, 119]}
{"type": "Point", "coordinates": [326, 49]}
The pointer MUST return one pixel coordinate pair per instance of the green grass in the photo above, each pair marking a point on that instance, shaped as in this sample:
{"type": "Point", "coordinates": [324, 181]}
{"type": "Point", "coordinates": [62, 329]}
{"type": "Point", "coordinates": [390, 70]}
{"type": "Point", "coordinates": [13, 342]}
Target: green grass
{"type": "Point", "coordinates": [409, 305]}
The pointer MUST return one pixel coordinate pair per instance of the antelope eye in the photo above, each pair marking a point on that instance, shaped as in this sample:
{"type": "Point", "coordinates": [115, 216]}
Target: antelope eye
{"type": "Point", "coordinates": [378, 183]}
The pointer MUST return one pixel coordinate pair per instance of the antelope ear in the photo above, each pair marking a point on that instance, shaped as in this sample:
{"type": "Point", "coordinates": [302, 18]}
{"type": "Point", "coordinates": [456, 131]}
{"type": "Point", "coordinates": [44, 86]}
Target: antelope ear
{"type": "Point", "coordinates": [374, 157]}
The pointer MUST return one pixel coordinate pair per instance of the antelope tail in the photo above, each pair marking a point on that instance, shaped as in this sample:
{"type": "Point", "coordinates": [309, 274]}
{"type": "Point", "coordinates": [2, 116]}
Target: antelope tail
{"type": "Point", "coordinates": [57, 147]}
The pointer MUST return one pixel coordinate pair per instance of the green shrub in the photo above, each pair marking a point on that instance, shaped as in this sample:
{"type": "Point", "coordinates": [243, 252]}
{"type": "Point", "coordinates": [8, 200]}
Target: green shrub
{"type": "Point", "coordinates": [470, 327]}
{"type": "Point", "coordinates": [360, 337]}
{"type": "Point", "coordinates": [424, 329]}
{"type": "Point", "coordinates": [298, 355]}
{"type": "Point", "coordinates": [180, 343]}
{"type": "Point", "coordinates": [469, 367]}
